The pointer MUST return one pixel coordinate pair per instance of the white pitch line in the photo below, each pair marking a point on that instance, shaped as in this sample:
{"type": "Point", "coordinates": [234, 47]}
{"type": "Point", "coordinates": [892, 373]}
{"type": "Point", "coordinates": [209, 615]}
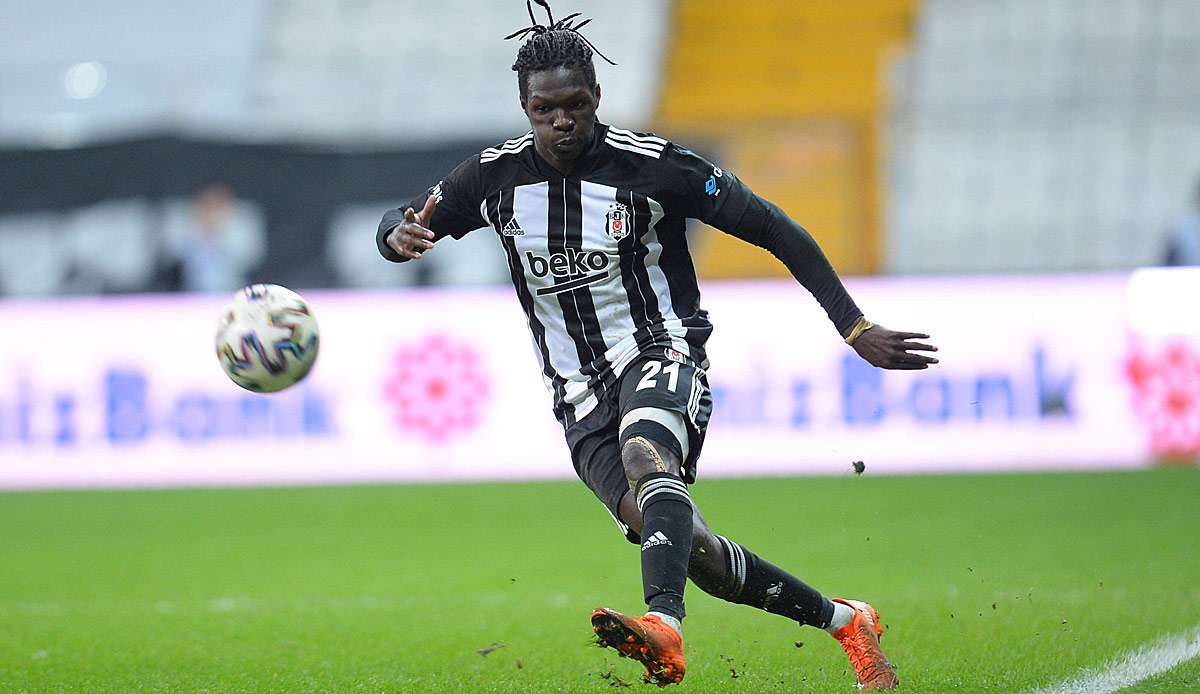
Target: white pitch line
{"type": "Point", "coordinates": [1148, 660]}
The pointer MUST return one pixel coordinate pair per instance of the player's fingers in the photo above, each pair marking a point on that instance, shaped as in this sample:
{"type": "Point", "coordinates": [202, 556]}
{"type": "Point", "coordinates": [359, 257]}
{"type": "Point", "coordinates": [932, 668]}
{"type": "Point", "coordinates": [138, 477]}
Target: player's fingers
{"type": "Point", "coordinates": [412, 253]}
{"type": "Point", "coordinates": [416, 241]}
{"type": "Point", "coordinates": [405, 244]}
{"type": "Point", "coordinates": [918, 346]}
{"type": "Point", "coordinates": [395, 240]}
{"type": "Point", "coordinates": [410, 231]}
{"type": "Point", "coordinates": [427, 210]}
{"type": "Point", "coordinates": [911, 336]}
{"type": "Point", "coordinates": [907, 364]}
{"type": "Point", "coordinates": [410, 215]}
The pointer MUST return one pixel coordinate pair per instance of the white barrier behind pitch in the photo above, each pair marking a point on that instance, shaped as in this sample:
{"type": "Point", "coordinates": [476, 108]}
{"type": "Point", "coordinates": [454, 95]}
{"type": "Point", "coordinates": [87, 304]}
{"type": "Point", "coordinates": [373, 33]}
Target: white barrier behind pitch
{"type": "Point", "coordinates": [1037, 372]}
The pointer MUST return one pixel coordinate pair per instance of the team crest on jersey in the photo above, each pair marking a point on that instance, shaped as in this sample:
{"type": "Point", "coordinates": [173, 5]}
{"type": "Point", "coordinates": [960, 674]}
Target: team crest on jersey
{"type": "Point", "coordinates": [617, 226]}
{"type": "Point", "coordinates": [675, 355]}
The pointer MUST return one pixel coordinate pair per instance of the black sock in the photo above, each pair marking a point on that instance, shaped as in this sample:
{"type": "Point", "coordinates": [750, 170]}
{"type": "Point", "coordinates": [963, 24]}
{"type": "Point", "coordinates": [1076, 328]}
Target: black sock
{"type": "Point", "coordinates": [666, 540]}
{"type": "Point", "coordinates": [759, 583]}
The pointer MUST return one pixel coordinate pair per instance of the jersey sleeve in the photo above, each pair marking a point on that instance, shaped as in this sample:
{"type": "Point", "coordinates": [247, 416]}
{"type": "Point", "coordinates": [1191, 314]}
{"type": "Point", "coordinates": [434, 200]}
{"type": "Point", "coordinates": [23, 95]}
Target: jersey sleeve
{"type": "Point", "coordinates": [698, 189]}
{"type": "Point", "coordinates": [456, 213]}
{"type": "Point", "coordinates": [704, 191]}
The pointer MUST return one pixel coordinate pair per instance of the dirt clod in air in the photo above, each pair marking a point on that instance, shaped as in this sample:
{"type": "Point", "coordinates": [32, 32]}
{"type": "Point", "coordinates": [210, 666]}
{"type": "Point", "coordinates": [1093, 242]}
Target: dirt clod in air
{"type": "Point", "coordinates": [614, 680]}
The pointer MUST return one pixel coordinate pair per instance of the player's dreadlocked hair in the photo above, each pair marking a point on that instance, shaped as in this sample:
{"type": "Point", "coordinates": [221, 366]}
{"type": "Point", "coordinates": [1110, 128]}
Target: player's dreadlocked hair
{"type": "Point", "coordinates": [558, 45]}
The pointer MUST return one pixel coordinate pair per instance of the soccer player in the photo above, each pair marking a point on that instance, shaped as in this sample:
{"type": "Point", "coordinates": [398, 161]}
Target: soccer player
{"type": "Point", "coordinates": [591, 218]}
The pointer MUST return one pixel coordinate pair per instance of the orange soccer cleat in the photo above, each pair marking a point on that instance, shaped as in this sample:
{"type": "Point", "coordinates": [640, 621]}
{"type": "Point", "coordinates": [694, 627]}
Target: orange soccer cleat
{"type": "Point", "coordinates": [645, 639]}
{"type": "Point", "coordinates": [860, 640]}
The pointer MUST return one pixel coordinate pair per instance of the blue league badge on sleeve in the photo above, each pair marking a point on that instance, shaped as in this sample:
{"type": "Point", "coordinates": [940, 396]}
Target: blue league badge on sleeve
{"type": "Point", "coordinates": [712, 186]}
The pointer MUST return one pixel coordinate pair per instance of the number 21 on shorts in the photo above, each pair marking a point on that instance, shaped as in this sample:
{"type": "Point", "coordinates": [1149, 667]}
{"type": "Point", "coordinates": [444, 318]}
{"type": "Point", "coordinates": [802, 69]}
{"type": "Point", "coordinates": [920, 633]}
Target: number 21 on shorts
{"type": "Point", "coordinates": [652, 369]}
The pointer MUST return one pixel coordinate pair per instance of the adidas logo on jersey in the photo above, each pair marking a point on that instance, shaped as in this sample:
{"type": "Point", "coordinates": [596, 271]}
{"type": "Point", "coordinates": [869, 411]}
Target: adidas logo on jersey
{"type": "Point", "coordinates": [655, 540]}
{"type": "Point", "coordinates": [512, 228]}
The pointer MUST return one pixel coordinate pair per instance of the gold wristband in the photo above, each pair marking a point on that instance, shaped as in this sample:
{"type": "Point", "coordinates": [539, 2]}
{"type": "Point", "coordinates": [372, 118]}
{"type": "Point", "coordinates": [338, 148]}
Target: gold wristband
{"type": "Point", "coordinates": [861, 326]}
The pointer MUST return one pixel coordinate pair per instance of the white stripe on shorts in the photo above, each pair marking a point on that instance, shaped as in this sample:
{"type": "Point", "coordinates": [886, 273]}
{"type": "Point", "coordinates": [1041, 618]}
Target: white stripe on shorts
{"type": "Point", "coordinates": [673, 421]}
{"type": "Point", "coordinates": [694, 400]}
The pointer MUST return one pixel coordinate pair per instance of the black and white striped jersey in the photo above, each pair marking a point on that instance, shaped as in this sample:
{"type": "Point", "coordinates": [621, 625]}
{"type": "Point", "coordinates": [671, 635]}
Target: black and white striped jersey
{"type": "Point", "coordinates": [599, 258]}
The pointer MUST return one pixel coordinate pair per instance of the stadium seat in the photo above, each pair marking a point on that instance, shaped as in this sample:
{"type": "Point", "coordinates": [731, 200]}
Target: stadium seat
{"type": "Point", "coordinates": [1025, 137]}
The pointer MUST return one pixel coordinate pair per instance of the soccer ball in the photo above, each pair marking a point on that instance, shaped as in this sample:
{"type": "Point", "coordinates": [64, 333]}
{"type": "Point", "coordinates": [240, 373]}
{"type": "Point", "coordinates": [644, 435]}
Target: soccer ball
{"type": "Point", "coordinates": [267, 339]}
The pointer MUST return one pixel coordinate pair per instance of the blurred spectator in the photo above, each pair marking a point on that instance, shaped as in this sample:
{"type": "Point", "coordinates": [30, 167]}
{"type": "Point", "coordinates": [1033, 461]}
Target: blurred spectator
{"type": "Point", "coordinates": [1183, 246]}
{"type": "Point", "coordinates": [213, 242]}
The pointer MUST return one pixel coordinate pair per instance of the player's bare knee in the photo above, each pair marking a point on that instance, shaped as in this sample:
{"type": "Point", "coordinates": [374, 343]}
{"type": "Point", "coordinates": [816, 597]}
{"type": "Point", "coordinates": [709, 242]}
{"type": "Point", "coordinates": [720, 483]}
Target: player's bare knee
{"type": "Point", "coordinates": [652, 442]}
{"type": "Point", "coordinates": [641, 456]}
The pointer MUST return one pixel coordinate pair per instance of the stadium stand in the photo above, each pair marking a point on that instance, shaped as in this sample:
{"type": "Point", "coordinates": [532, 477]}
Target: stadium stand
{"type": "Point", "coordinates": [381, 73]}
{"type": "Point", "coordinates": [811, 145]}
{"type": "Point", "coordinates": [1032, 135]}
{"type": "Point", "coordinates": [909, 137]}
{"type": "Point", "coordinates": [363, 83]}
{"type": "Point", "coordinates": [75, 71]}
{"type": "Point", "coordinates": [329, 70]}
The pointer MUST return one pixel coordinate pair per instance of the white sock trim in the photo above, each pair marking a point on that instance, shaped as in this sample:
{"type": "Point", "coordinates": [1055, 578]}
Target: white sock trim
{"type": "Point", "coordinates": [669, 621]}
{"type": "Point", "coordinates": [842, 615]}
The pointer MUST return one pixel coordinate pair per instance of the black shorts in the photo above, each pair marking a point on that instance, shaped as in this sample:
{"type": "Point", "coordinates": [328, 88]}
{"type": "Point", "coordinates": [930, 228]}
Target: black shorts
{"type": "Point", "coordinates": [661, 379]}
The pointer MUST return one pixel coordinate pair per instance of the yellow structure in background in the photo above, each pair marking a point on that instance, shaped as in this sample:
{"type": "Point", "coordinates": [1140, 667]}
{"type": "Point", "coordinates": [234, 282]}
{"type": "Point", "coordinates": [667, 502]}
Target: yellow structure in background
{"type": "Point", "coordinates": [791, 91]}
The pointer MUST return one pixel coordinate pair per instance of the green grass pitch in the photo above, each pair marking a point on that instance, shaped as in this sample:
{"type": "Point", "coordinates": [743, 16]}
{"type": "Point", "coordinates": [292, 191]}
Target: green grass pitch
{"type": "Point", "coordinates": [987, 583]}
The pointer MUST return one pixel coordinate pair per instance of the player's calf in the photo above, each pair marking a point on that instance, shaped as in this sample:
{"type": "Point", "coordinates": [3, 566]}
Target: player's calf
{"type": "Point", "coordinates": [666, 509]}
{"type": "Point", "coordinates": [724, 569]}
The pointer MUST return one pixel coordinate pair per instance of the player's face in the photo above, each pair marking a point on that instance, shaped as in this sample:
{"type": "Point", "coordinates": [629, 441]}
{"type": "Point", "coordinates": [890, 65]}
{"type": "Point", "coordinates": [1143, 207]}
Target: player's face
{"type": "Point", "coordinates": [562, 110]}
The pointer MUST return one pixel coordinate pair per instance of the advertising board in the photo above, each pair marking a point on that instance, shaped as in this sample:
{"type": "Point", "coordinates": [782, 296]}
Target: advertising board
{"type": "Point", "coordinates": [1036, 372]}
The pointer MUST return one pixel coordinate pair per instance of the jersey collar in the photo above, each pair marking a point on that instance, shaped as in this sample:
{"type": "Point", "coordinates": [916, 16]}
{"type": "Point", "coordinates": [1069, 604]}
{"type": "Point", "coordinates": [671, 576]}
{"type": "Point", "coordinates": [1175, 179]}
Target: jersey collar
{"type": "Point", "coordinates": [586, 162]}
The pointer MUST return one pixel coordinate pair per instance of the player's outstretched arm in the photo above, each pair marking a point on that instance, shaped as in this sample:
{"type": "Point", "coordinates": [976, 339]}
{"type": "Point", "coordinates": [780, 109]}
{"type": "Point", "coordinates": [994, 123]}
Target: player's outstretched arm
{"type": "Point", "coordinates": [764, 224]}
{"type": "Point", "coordinates": [717, 197]}
{"type": "Point", "coordinates": [411, 237]}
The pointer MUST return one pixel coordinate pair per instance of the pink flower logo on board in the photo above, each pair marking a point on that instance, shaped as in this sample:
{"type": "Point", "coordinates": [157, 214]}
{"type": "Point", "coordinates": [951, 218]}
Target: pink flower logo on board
{"type": "Point", "coordinates": [1166, 396]}
{"type": "Point", "coordinates": [437, 388]}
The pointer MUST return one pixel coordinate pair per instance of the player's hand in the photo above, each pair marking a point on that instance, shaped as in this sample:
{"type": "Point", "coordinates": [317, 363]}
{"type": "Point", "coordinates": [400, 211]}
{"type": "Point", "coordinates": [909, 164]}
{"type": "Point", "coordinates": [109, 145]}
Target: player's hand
{"type": "Point", "coordinates": [889, 349]}
{"type": "Point", "coordinates": [412, 237]}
